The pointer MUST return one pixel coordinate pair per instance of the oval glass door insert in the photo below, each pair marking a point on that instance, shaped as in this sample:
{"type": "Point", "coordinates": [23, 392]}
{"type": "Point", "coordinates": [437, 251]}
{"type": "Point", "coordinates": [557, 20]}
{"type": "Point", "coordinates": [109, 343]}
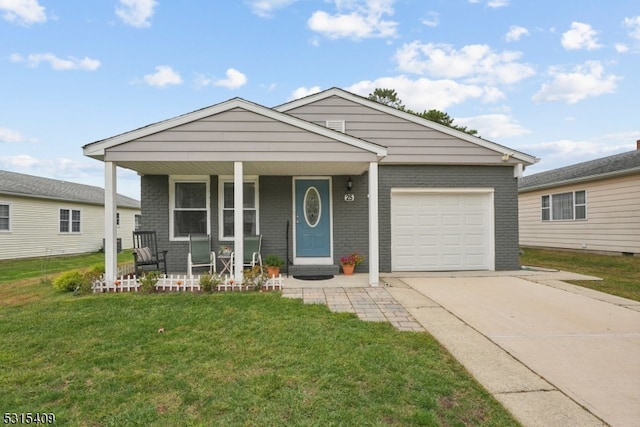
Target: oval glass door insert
{"type": "Point", "coordinates": [312, 206]}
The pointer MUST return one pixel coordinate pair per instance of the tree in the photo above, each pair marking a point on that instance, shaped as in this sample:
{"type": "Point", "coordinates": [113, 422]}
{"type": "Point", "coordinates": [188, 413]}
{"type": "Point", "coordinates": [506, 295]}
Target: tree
{"type": "Point", "coordinates": [387, 97]}
{"type": "Point", "coordinates": [390, 97]}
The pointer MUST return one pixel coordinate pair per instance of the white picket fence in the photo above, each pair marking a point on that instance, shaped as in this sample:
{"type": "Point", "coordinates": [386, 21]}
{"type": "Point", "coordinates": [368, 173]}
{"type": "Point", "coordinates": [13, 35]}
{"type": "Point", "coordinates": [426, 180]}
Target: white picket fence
{"type": "Point", "coordinates": [180, 283]}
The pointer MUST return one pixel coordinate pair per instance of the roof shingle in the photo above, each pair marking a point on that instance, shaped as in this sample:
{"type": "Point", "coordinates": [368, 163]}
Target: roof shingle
{"type": "Point", "coordinates": [19, 184]}
{"type": "Point", "coordinates": [617, 164]}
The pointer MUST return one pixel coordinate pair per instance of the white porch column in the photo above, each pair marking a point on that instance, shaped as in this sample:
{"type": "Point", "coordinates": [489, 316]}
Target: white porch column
{"type": "Point", "coordinates": [374, 245]}
{"type": "Point", "coordinates": [238, 220]}
{"type": "Point", "coordinates": [110, 229]}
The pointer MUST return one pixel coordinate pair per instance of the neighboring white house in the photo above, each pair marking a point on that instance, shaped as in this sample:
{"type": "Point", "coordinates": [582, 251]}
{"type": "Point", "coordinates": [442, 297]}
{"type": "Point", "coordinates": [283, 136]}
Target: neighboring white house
{"type": "Point", "coordinates": [592, 206]}
{"type": "Point", "coordinates": [42, 216]}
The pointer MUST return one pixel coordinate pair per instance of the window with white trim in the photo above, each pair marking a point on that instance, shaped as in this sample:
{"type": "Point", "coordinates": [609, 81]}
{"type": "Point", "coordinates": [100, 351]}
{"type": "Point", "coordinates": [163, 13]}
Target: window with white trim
{"type": "Point", "coordinates": [5, 217]}
{"type": "Point", "coordinates": [189, 205]}
{"type": "Point", "coordinates": [69, 220]}
{"type": "Point", "coordinates": [250, 207]}
{"type": "Point", "coordinates": [564, 206]}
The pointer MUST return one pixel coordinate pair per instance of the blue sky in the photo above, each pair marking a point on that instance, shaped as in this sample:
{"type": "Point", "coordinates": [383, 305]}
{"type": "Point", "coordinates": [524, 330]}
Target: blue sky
{"type": "Point", "coordinates": [555, 79]}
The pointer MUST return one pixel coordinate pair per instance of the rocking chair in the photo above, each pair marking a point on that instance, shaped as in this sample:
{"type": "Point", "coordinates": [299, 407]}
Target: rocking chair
{"type": "Point", "coordinates": [145, 253]}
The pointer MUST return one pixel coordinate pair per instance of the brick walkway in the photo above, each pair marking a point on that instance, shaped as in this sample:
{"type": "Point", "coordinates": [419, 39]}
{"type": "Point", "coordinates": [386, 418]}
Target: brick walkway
{"type": "Point", "coordinates": [370, 304]}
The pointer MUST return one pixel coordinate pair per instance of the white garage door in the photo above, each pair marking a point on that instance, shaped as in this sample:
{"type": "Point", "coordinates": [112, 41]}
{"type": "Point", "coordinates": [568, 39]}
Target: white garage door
{"type": "Point", "coordinates": [442, 230]}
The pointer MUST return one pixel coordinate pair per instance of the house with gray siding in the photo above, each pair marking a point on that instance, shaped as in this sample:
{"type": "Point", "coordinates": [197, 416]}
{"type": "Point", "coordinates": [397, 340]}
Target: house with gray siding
{"type": "Point", "coordinates": [319, 178]}
{"type": "Point", "coordinates": [49, 217]}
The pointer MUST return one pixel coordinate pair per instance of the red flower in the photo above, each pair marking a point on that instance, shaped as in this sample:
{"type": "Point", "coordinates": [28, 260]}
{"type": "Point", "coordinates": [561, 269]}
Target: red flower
{"type": "Point", "coordinates": [353, 259]}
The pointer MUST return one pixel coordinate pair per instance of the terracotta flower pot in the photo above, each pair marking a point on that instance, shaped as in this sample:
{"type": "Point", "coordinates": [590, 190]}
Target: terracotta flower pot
{"type": "Point", "coordinates": [348, 269]}
{"type": "Point", "coordinates": [273, 271]}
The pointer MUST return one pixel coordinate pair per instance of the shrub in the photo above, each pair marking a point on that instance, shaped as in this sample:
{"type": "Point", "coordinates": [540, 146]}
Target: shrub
{"type": "Point", "coordinates": [208, 282]}
{"type": "Point", "coordinates": [69, 281]}
{"type": "Point", "coordinates": [148, 282]}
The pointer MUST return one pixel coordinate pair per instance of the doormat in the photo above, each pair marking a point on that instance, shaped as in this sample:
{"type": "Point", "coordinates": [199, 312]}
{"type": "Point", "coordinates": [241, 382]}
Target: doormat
{"type": "Point", "coordinates": [315, 277]}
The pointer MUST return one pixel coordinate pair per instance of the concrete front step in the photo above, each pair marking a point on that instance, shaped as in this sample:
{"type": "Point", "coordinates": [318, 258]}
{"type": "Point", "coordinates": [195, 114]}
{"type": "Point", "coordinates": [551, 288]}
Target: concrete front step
{"type": "Point", "coordinates": [314, 270]}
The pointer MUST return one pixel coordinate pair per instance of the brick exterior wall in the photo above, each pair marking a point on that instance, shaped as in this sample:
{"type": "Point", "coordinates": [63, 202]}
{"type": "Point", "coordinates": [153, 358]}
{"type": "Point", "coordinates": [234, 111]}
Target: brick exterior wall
{"type": "Point", "coordinates": [350, 219]}
{"type": "Point", "coordinates": [505, 203]}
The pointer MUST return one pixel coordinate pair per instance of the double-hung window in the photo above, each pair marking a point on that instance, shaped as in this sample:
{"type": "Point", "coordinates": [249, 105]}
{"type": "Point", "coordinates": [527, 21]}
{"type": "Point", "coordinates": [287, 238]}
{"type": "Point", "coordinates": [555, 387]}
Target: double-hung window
{"type": "Point", "coordinates": [189, 207]}
{"type": "Point", "coordinates": [69, 220]}
{"type": "Point", "coordinates": [5, 217]}
{"type": "Point", "coordinates": [564, 206]}
{"type": "Point", "coordinates": [249, 207]}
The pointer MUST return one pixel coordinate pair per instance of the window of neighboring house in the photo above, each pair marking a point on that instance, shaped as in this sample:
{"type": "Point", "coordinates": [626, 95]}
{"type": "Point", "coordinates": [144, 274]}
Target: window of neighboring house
{"type": "Point", "coordinates": [137, 220]}
{"type": "Point", "coordinates": [189, 205]}
{"type": "Point", "coordinates": [5, 217]}
{"type": "Point", "coordinates": [118, 219]}
{"type": "Point", "coordinates": [69, 221]}
{"type": "Point", "coordinates": [564, 206]}
{"type": "Point", "coordinates": [250, 207]}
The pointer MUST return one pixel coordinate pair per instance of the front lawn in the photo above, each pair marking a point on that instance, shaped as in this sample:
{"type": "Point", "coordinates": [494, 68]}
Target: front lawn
{"type": "Point", "coordinates": [620, 274]}
{"type": "Point", "coordinates": [225, 359]}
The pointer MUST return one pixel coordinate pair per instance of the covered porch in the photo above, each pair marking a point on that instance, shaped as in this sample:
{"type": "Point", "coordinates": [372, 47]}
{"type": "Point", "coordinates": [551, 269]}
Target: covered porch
{"type": "Point", "coordinates": [239, 151]}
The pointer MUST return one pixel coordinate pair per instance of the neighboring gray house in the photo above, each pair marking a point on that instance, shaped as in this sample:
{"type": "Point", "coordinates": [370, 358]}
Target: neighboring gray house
{"type": "Point", "coordinates": [343, 172]}
{"type": "Point", "coordinates": [593, 206]}
{"type": "Point", "coordinates": [42, 217]}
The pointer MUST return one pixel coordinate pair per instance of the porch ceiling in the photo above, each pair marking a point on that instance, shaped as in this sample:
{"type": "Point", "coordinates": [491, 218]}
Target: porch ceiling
{"type": "Point", "coordinates": [250, 168]}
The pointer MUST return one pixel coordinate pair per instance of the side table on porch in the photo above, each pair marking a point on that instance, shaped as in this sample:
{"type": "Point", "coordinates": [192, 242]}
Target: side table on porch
{"type": "Point", "coordinates": [226, 261]}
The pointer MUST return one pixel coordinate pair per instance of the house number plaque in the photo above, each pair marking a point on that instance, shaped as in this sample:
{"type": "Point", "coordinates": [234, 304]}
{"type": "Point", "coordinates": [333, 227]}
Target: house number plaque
{"type": "Point", "coordinates": [349, 197]}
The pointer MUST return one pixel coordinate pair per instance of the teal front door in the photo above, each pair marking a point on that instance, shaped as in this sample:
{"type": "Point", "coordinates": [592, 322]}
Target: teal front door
{"type": "Point", "coordinates": [312, 221]}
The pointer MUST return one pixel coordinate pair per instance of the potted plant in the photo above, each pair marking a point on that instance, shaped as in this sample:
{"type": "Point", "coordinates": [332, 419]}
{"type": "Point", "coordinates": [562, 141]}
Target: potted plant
{"type": "Point", "coordinates": [350, 262]}
{"type": "Point", "coordinates": [273, 263]}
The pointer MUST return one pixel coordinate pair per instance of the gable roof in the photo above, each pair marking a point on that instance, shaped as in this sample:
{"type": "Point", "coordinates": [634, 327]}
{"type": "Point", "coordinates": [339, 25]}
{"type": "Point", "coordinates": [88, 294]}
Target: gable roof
{"type": "Point", "coordinates": [523, 157]}
{"type": "Point", "coordinates": [605, 167]}
{"type": "Point", "coordinates": [18, 184]}
{"type": "Point", "coordinates": [97, 149]}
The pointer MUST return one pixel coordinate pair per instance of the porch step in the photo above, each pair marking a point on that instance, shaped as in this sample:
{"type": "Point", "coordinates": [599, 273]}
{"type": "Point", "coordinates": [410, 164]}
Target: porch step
{"type": "Point", "coordinates": [314, 270]}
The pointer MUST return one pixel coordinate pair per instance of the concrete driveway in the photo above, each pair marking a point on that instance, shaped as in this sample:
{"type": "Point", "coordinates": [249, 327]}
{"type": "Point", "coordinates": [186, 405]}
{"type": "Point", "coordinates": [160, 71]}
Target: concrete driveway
{"type": "Point", "coordinates": [554, 354]}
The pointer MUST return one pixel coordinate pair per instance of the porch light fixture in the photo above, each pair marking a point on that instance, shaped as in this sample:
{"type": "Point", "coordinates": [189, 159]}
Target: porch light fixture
{"type": "Point", "coordinates": [349, 184]}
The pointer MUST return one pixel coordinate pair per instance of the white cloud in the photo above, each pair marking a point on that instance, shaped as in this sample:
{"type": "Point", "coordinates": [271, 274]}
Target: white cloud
{"type": "Point", "coordinates": [497, 3]}
{"type": "Point", "coordinates": [301, 92]}
{"type": "Point", "coordinates": [355, 19]}
{"type": "Point", "coordinates": [492, 3]}
{"type": "Point", "coordinates": [634, 24]}
{"type": "Point", "coordinates": [621, 48]}
{"type": "Point", "coordinates": [164, 76]}
{"type": "Point", "coordinates": [234, 80]}
{"type": "Point", "coordinates": [515, 33]}
{"type": "Point", "coordinates": [266, 8]}
{"type": "Point", "coordinates": [432, 19]}
{"type": "Point", "coordinates": [584, 81]}
{"type": "Point", "coordinates": [10, 135]}
{"type": "Point", "coordinates": [580, 36]}
{"type": "Point", "coordinates": [24, 12]}
{"type": "Point", "coordinates": [493, 126]}
{"type": "Point", "coordinates": [424, 94]}
{"type": "Point", "coordinates": [136, 13]}
{"type": "Point", "coordinates": [21, 161]}
{"type": "Point", "coordinates": [58, 64]}
{"type": "Point", "coordinates": [474, 63]}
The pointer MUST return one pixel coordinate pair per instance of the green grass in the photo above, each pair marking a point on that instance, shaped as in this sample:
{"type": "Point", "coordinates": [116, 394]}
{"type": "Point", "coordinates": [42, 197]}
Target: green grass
{"type": "Point", "coordinates": [620, 274]}
{"type": "Point", "coordinates": [20, 269]}
{"type": "Point", "coordinates": [223, 359]}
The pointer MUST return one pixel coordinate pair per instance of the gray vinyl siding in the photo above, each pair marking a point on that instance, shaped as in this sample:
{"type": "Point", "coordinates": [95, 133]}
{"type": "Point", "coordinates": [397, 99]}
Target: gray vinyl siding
{"type": "Point", "coordinates": [505, 203]}
{"type": "Point", "coordinates": [236, 135]}
{"type": "Point", "coordinates": [406, 141]}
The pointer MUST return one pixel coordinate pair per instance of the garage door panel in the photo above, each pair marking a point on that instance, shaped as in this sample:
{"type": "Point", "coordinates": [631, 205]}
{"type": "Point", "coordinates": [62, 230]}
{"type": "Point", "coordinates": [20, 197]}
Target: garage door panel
{"type": "Point", "coordinates": [440, 231]}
